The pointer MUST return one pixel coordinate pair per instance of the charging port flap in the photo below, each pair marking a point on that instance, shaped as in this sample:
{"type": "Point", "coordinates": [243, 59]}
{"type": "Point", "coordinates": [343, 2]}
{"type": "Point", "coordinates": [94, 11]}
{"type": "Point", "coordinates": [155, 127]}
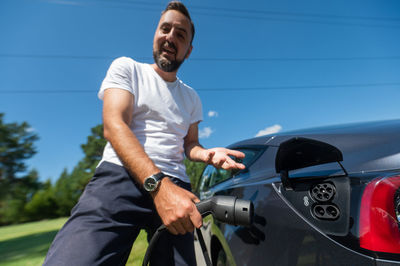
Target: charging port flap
{"type": "Point", "coordinates": [298, 152]}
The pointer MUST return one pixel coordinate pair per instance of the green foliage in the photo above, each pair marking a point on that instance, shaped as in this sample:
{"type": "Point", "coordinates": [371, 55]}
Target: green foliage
{"type": "Point", "coordinates": [16, 187]}
{"type": "Point", "coordinates": [65, 192]}
{"type": "Point", "coordinates": [19, 193]}
{"type": "Point", "coordinates": [43, 204]}
{"type": "Point", "coordinates": [194, 170]}
{"type": "Point", "coordinates": [58, 200]}
{"type": "Point", "coordinates": [16, 145]}
{"type": "Point", "coordinates": [11, 210]}
{"type": "Point", "coordinates": [24, 198]}
{"type": "Point", "coordinates": [93, 149]}
{"type": "Point", "coordinates": [68, 189]}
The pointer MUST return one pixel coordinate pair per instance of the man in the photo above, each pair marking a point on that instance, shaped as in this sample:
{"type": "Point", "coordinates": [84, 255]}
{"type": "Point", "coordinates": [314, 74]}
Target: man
{"type": "Point", "coordinates": [150, 119]}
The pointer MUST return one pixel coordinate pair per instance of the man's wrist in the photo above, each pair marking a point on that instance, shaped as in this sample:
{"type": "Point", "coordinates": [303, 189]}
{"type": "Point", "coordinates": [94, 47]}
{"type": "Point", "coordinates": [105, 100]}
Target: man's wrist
{"type": "Point", "coordinates": [152, 182]}
{"type": "Point", "coordinates": [161, 186]}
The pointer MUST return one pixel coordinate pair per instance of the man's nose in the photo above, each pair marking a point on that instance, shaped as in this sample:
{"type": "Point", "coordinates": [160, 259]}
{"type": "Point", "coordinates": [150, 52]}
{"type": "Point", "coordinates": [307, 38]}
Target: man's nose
{"type": "Point", "coordinates": [171, 35]}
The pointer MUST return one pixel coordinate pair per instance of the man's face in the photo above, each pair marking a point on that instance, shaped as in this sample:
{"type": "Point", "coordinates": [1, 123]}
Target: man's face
{"type": "Point", "coordinates": [171, 45]}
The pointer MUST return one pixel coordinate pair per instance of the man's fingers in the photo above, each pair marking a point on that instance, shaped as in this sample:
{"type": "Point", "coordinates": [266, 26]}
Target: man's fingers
{"type": "Point", "coordinates": [237, 154]}
{"type": "Point", "coordinates": [196, 219]}
{"type": "Point", "coordinates": [221, 162]}
{"type": "Point", "coordinates": [188, 225]}
{"type": "Point", "coordinates": [240, 166]}
{"type": "Point", "coordinates": [194, 198]}
{"type": "Point", "coordinates": [210, 156]}
{"type": "Point", "coordinates": [183, 226]}
{"type": "Point", "coordinates": [195, 216]}
{"type": "Point", "coordinates": [177, 209]}
{"type": "Point", "coordinates": [231, 164]}
{"type": "Point", "coordinates": [237, 165]}
{"type": "Point", "coordinates": [172, 229]}
{"type": "Point", "coordinates": [180, 227]}
{"type": "Point", "coordinates": [221, 158]}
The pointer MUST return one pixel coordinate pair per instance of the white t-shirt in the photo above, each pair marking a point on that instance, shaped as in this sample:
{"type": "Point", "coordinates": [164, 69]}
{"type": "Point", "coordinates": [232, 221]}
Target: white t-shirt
{"type": "Point", "coordinates": [162, 113]}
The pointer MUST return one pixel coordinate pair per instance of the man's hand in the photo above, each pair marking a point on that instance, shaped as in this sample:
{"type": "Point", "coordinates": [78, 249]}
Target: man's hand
{"type": "Point", "coordinates": [176, 207]}
{"type": "Point", "coordinates": [220, 158]}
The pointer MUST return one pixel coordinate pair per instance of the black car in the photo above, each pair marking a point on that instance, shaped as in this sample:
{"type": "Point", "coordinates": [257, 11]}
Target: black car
{"type": "Point", "coordinates": [323, 196]}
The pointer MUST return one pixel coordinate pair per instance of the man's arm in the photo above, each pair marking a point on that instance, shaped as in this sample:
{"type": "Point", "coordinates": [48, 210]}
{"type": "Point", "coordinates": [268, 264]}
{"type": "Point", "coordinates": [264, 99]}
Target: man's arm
{"type": "Point", "coordinates": [175, 205]}
{"type": "Point", "coordinates": [219, 157]}
{"type": "Point", "coordinates": [117, 115]}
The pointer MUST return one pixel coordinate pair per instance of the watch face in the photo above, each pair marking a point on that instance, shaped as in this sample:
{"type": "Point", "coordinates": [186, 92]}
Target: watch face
{"type": "Point", "coordinates": [150, 184]}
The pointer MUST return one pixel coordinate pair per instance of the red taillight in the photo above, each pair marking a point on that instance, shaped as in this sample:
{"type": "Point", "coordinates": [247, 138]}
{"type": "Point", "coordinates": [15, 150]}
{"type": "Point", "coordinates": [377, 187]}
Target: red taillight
{"type": "Point", "coordinates": [379, 227]}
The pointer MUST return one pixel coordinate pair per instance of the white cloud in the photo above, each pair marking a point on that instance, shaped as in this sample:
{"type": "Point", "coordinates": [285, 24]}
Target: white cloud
{"type": "Point", "coordinates": [212, 113]}
{"type": "Point", "coordinates": [30, 130]}
{"type": "Point", "coordinates": [269, 130]}
{"type": "Point", "coordinates": [205, 132]}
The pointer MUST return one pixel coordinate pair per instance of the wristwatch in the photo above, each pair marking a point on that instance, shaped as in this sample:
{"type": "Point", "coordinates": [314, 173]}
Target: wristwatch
{"type": "Point", "coordinates": [151, 183]}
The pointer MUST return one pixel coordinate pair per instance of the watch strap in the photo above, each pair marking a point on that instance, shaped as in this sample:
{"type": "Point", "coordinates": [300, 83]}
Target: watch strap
{"type": "Point", "coordinates": [158, 176]}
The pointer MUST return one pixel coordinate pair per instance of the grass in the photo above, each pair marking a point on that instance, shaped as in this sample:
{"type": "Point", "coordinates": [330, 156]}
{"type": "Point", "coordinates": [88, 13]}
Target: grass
{"type": "Point", "coordinates": [27, 244]}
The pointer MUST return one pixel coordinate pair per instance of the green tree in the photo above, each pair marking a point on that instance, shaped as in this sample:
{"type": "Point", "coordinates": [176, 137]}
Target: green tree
{"type": "Point", "coordinates": [58, 199]}
{"type": "Point", "coordinates": [20, 193]}
{"type": "Point", "coordinates": [43, 204]}
{"type": "Point", "coordinates": [16, 146]}
{"type": "Point", "coordinates": [93, 149]}
{"type": "Point", "coordinates": [70, 186]}
{"type": "Point", "coordinates": [65, 193]}
{"type": "Point", "coordinates": [194, 170]}
{"type": "Point", "coordinates": [16, 187]}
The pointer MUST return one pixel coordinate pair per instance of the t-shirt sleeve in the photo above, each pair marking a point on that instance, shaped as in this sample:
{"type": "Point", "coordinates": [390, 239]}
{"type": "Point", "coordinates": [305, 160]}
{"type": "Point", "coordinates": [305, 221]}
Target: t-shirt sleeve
{"type": "Point", "coordinates": [197, 114]}
{"type": "Point", "coordinates": [119, 75]}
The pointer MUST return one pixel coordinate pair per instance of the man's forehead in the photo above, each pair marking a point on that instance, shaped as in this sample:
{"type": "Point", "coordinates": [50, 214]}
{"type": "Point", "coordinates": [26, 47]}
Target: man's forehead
{"type": "Point", "coordinates": [175, 18]}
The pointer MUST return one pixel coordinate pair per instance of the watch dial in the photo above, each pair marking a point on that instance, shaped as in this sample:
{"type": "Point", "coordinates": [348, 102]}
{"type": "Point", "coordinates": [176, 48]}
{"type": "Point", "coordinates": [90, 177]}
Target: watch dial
{"type": "Point", "coordinates": [150, 184]}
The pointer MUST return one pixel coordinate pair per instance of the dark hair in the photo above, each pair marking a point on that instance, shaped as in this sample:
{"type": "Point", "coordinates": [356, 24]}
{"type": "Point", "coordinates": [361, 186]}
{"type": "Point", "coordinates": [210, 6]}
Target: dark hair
{"type": "Point", "coordinates": [180, 7]}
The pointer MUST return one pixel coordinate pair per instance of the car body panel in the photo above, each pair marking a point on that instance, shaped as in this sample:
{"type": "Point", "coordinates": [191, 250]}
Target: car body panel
{"type": "Point", "coordinates": [285, 230]}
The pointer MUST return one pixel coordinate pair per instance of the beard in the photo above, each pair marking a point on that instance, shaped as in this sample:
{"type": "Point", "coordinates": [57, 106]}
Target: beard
{"type": "Point", "coordinates": [164, 63]}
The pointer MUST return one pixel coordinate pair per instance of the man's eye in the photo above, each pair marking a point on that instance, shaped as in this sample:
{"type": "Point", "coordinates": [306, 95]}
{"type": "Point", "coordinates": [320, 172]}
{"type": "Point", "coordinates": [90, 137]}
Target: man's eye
{"type": "Point", "coordinates": [164, 29]}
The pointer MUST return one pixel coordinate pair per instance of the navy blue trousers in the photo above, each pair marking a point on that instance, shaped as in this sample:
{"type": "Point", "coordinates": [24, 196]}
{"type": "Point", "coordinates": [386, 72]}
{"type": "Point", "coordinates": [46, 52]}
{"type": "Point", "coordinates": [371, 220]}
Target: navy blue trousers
{"type": "Point", "coordinates": [108, 218]}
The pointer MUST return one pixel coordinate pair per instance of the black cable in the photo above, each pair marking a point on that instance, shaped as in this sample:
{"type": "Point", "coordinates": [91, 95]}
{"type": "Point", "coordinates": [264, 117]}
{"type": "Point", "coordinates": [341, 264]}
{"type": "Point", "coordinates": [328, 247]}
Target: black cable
{"type": "Point", "coordinates": [162, 230]}
{"type": "Point", "coordinates": [203, 247]}
{"type": "Point", "coordinates": [152, 243]}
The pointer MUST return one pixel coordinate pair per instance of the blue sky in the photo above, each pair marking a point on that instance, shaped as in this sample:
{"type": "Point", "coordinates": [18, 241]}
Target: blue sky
{"type": "Point", "coordinates": [258, 66]}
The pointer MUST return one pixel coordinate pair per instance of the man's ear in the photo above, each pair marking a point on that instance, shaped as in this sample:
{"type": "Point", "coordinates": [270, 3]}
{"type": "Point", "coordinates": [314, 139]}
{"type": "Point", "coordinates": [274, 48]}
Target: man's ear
{"type": "Point", "coordinates": [189, 51]}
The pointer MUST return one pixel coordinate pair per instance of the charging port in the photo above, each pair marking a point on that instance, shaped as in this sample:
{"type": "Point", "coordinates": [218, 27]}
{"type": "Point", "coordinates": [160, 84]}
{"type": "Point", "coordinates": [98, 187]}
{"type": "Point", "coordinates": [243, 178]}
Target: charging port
{"type": "Point", "coordinates": [323, 192]}
{"type": "Point", "coordinates": [326, 211]}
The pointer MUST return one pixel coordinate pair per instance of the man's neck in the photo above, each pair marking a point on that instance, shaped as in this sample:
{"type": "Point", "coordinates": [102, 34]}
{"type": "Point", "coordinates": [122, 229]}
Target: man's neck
{"type": "Point", "coordinates": [167, 76]}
